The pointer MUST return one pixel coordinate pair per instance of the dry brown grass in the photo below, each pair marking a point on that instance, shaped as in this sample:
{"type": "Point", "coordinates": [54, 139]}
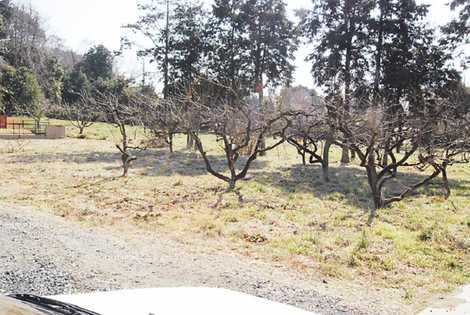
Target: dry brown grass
{"type": "Point", "coordinates": [420, 246]}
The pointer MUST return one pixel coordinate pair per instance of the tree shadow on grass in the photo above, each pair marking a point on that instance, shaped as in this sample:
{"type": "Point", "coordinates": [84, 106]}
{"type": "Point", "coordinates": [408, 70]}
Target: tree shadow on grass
{"type": "Point", "coordinates": [152, 162]}
{"type": "Point", "coordinates": [185, 163]}
{"type": "Point", "coordinates": [349, 184]}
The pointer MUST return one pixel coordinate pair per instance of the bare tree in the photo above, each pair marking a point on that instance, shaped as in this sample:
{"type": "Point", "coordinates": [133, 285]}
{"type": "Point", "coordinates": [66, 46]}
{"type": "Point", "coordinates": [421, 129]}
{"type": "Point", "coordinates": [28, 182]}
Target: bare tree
{"type": "Point", "coordinates": [83, 114]}
{"type": "Point", "coordinates": [433, 141]}
{"type": "Point", "coordinates": [122, 112]}
{"type": "Point", "coordinates": [310, 134]}
{"type": "Point", "coordinates": [239, 130]}
{"type": "Point", "coordinates": [162, 118]}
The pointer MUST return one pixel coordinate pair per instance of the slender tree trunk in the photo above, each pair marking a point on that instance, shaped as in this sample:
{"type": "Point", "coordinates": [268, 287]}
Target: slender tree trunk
{"type": "Point", "coordinates": [262, 109]}
{"type": "Point", "coordinates": [170, 141]}
{"type": "Point", "coordinates": [189, 141]}
{"type": "Point", "coordinates": [304, 161]}
{"type": "Point", "coordinates": [345, 156]}
{"type": "Point", "coordinates": [353, 155]}
{"type": "Point", "coordinates": [347, 79]}
{"type": "Point", "coordinates": [167, 48]}
{"type": "Point", "coordinates": [386, 151]}
{"type": "Point", "coordinates": [326, 160]}
{"type": "Point", "coordinates": [446, 182]}
{"type": "Point", "coordinates": [375, 188]}
{"type": "Point", "coordinates": [378, 54]}
{"type": "Point", "coordinates": [126, 158]}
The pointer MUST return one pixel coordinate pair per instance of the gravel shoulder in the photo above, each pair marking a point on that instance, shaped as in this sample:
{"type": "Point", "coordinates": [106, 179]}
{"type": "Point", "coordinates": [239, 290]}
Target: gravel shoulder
{"type": "Point", "coordinates": [48, 255]}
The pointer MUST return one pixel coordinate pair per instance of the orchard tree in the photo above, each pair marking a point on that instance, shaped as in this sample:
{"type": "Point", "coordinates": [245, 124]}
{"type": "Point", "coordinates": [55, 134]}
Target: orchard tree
{"type": "Point", "coordinates": [239, 129]}
{"type": "Point", "coordinates": [122, 107]}
{"type": "Point", "coordinates": [82, 114]}
{"type": "Point", "coordinates": [162, 118]}
{"type": "Point", "coordinates": [435, 141]}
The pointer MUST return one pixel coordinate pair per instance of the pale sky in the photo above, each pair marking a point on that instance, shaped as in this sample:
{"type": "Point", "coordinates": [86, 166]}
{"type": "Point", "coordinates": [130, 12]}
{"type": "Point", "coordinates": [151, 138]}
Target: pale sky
{"type": "Point", "coordinates": [82, 23]}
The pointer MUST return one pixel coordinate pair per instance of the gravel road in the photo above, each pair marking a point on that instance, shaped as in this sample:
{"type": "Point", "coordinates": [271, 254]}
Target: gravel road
{"type": "Point", "coordinates": [47, 255]}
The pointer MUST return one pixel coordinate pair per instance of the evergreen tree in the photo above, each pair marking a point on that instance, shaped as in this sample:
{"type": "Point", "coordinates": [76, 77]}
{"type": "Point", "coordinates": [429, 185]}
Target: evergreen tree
{"type": "Point", "coordinates": [97, 63]}
{"type": "Point", "coordinates": [188, 45]}
{"type": "Point", "coordinates": [228, 54]}
{"type": "Point", "coordinates": [338, 32]}
{"type": "Point", "coordinates": [457, 32]}
{"type": "Point", "coordinates": [76, 83]}
{"type": "Point", "coordinates": [273, 41]}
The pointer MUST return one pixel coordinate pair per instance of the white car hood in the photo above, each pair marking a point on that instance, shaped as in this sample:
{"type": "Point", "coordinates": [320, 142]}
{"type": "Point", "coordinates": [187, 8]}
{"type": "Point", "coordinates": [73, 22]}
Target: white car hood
{"type": "Point", "coordinates": [178, 301]}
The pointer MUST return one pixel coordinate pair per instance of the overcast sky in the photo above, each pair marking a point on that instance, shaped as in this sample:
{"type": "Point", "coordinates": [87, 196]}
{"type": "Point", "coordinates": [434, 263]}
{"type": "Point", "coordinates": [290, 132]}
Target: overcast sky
{"type": "Point", "coordinates": [82, 23]}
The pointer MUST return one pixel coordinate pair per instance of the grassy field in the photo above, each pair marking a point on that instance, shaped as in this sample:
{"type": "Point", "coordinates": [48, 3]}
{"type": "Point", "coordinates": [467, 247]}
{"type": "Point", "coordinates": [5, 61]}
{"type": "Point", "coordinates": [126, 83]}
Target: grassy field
{"type": "Point", "coordinates": [420, 247]}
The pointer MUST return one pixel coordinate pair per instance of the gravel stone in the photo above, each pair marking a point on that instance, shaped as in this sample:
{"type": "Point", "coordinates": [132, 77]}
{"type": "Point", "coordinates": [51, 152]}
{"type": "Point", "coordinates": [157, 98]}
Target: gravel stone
{"type": "Point", "coordinates": [47, 255]}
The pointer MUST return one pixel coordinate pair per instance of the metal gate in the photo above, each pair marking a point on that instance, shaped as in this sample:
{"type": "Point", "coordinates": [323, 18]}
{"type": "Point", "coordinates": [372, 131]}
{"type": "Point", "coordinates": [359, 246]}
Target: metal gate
{"type": "Point", "coordinates": [22, 126]}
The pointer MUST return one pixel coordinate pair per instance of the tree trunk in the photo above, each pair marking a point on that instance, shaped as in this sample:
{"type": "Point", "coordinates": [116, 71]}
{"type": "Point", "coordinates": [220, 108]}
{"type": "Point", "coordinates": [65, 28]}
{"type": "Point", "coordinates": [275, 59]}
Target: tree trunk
{"type": "Point", "coordinates": [303, 153]}
{"type": "Point", "coordinates": [375, 188]}
{"type": "Point", "coordinates": [262, 109]}
{"type": "Point", "coordinates": [345, 156]}
{"type": "Point", "coordinates": [446, 182]}
{"type": "Point", "coordinates": [378, 54]}
{"type": "Point", "coordinates": [232, 184]}
{"type": "Point", "coordinates": [170, 141]}
{"type": "Point", "coordinates": [127, 159]}
{"type": "Point", "coordinates": [373, 184]}
{"type": "Point", "coordinates": [386, 152]}
{"type": "Point", "coordinates": [167, 48]}
{"type": "Point", "coordinates": [189, 141]}
{"type": "Point", "coordinates": [347, 76]}
{"type": "Point", "coordinates": [353, 155]}
{"type": "Point", "coordinates": [325, 165]}
{"type": "Point", "coordinates": [125, 165]}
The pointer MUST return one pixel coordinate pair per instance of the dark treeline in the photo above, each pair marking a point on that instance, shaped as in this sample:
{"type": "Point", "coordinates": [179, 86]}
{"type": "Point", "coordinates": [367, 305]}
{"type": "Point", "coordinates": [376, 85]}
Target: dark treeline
{"type": "Point", "coordinates": [38, 74]}
{"type": "Point", "coordinates": [359, 48]}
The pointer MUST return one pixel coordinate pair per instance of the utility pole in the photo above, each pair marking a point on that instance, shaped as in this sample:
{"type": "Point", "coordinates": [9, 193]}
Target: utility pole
{"type": "Point", "coordinates": [167, 44]}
